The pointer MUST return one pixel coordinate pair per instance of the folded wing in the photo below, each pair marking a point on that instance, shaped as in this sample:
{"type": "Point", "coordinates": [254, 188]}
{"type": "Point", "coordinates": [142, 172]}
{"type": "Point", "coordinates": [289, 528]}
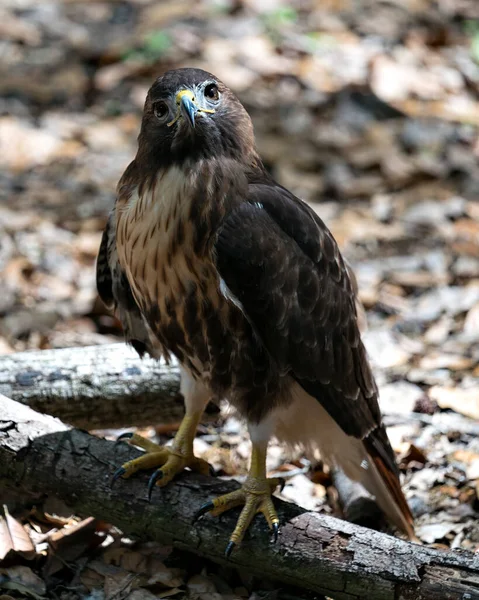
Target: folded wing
{"type": "Point", "coordinates": [282, 263]}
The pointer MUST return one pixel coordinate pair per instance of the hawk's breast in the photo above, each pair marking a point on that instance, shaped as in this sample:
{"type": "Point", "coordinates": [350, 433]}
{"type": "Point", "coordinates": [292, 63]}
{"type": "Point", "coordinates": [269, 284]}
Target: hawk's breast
{"type": "Point", "coordinates": [173, 277]}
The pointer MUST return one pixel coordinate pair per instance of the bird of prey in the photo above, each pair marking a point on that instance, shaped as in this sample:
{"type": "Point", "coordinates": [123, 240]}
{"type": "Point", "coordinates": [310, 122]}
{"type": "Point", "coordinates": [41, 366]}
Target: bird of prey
{"type": "Point", "coordinates": [207, 258]}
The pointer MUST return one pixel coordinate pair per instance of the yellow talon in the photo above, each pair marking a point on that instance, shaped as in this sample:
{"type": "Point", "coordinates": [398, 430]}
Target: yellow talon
{"type": "Point", "coordinates": [169, 461]}
{"type": "Point", "coordinates": [254, 495]}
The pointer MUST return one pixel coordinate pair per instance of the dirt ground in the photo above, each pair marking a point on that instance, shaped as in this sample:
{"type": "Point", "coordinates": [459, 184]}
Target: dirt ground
{"type": "Point", "coordinates": [368, 110]}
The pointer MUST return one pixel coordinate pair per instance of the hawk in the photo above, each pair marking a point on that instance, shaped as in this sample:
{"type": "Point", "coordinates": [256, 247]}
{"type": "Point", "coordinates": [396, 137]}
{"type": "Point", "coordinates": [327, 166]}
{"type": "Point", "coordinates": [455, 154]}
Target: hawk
{"type": "Point", "coordinates": [207, 258]}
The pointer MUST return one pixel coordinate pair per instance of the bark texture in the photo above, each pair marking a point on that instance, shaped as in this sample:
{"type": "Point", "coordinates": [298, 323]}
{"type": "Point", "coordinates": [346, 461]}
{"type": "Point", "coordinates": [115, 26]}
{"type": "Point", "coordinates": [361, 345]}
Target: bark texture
{"type": "Point", "coordinates": [41, 456]}
{"type": "Point", "coordinates": [96, 387]}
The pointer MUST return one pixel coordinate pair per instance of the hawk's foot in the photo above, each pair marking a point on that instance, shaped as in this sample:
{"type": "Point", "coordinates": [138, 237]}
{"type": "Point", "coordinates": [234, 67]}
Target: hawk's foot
{"type": "Point", "coordinates": [255, 496]}
{"type": "Point", "coordinates": [170, 460]}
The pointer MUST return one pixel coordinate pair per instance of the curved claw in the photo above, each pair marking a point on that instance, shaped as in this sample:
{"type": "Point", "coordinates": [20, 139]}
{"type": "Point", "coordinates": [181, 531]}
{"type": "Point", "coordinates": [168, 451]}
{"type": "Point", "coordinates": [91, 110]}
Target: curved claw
{"type": "Point", "coordinates": [212, 471]}
{"type": "Point", "coordinates": [157, 475]}
{"type": "Point", "coordinates": [124, 436]}
{"type": "Point", "coordinates": [117, 474]}
{"type": "Point", "coordinates": [282, 483]}
{"type": "Point", "coordinates": [275, 532]}
{"type": "Point", "coordinates": [229, 549]}
{"type": "Point", "coordinates": [203, 510]}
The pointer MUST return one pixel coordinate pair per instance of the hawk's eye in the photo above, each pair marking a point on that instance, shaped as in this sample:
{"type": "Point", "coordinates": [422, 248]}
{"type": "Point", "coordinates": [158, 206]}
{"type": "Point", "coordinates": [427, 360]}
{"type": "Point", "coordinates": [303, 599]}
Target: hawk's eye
{"type": "Point", "coordinates": [160, 109]}
{"type": "Point", "coordinates": [211, 92]}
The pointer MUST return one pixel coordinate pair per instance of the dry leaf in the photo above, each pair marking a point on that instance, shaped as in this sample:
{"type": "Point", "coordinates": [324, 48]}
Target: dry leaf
{"type": "Point", "coordinates": [399, 397]}
{"type": "Point", "coordinates": [69, 543]}
{"type": "Point", "coordinates": [149, 566]}
{"type": "Point", "coordinates": [464, 401]}
{"type": "Point", "coordinates": [165, 575]}
{"type": "Point", "coordinates": [412, 458]}
{"type": "Point", "coordinates": [142, 594]}
{"type": "Point", "coordinates": [200, 584]}
{"type": "Point", "coordinates": [439, 360]}
{"type": "Point", "coordinates": [27, 146]}
{"type": "Point", "coordinates": [24, 580]}
{"type": "Point", "coordinates": [119, 585]}
{"type": "Point", "coordinates": [91, 579]}
{"type": "Point", "coordinates": [54, 520]}
{"type": "Point", "coordinates": [437, 531]}
{"type": "Point", "coordinates": [471, 324]}
{"type": "Point", "coordinates": [170, 593]}
{"type": "Point", "coordinates": [472, 471]}
{"type": "Point", "coordinates": [127, 559]}
{"type": "Point", "coordinates": [14, 538]}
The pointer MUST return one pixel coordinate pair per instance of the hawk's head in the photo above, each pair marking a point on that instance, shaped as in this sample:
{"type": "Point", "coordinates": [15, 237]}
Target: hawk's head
{"type": "Point", "coordinates": [190, 114]}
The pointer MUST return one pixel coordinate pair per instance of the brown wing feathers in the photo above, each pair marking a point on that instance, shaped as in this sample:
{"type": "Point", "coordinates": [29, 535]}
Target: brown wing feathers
{"type": "Point", "coordinates": [284, 266]}
{"type": "Point", "coordinates": [296, 292]}
{"type": "Point", "coordinates": [115, 291]}
{"type": "Point", "coordinates": [103, 271]}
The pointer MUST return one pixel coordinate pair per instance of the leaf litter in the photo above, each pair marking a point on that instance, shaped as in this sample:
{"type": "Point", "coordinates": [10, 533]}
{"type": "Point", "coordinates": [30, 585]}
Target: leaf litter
{"type": "Point", "coordinates": [372, 116]}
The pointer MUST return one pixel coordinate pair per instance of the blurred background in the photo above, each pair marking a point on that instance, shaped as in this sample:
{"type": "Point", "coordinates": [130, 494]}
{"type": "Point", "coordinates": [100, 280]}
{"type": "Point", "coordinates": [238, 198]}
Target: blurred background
{"type": "Point", "coordinates": [367, 109]}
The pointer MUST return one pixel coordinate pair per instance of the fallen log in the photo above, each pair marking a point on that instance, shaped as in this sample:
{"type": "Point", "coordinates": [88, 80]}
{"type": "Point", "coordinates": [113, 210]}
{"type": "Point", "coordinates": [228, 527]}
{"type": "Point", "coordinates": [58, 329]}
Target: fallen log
{"type": "Point", "coordinates": [109, 386]}
{"type": "Point", "coordinates": [41, 456]}
{"type": "Point", "coordinates": [97, 387]}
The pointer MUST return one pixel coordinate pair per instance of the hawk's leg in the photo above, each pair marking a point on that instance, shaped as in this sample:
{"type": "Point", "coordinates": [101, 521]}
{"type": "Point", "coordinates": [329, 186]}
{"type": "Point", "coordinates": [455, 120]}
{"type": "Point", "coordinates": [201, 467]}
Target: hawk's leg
{"type": "Point", "coordinates": [174, 459]}
{"type": "Point", "coordinates": [254, 495]}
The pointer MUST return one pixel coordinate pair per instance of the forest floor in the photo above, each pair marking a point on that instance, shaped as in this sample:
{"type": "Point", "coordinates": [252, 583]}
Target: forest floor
{"type": "Point", "coordinates": [370, 114]}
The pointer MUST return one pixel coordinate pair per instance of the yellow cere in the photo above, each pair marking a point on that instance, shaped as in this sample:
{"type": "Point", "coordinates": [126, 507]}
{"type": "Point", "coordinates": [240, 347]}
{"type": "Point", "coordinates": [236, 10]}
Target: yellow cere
{"type": "Point", "coordinates": [182, 93]}
{"type": "Point", "coordinates": [178, 98]}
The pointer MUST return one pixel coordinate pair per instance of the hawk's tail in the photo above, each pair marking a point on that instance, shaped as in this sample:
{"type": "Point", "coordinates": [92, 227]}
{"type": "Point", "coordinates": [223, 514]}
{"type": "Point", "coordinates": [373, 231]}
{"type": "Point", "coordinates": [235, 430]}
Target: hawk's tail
{"type": "Point", "coordinates": [383, 483]}
{"type": "Point", "coordinates": [370, 461]}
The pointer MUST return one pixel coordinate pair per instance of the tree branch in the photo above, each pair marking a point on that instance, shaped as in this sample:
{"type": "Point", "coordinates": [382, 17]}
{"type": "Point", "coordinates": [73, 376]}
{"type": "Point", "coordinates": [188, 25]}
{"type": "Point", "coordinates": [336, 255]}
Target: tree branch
{"type": "Point", "coordinates": [96, 387]}
{"type": "Point", "coordinates": [41, 456]}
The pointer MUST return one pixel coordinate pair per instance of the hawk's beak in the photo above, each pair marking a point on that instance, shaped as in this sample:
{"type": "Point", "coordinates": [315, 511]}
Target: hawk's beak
{"type": "Point", "coordinates": [186, 103]}
{"type": "Point", "coordinates": [186, 106]}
